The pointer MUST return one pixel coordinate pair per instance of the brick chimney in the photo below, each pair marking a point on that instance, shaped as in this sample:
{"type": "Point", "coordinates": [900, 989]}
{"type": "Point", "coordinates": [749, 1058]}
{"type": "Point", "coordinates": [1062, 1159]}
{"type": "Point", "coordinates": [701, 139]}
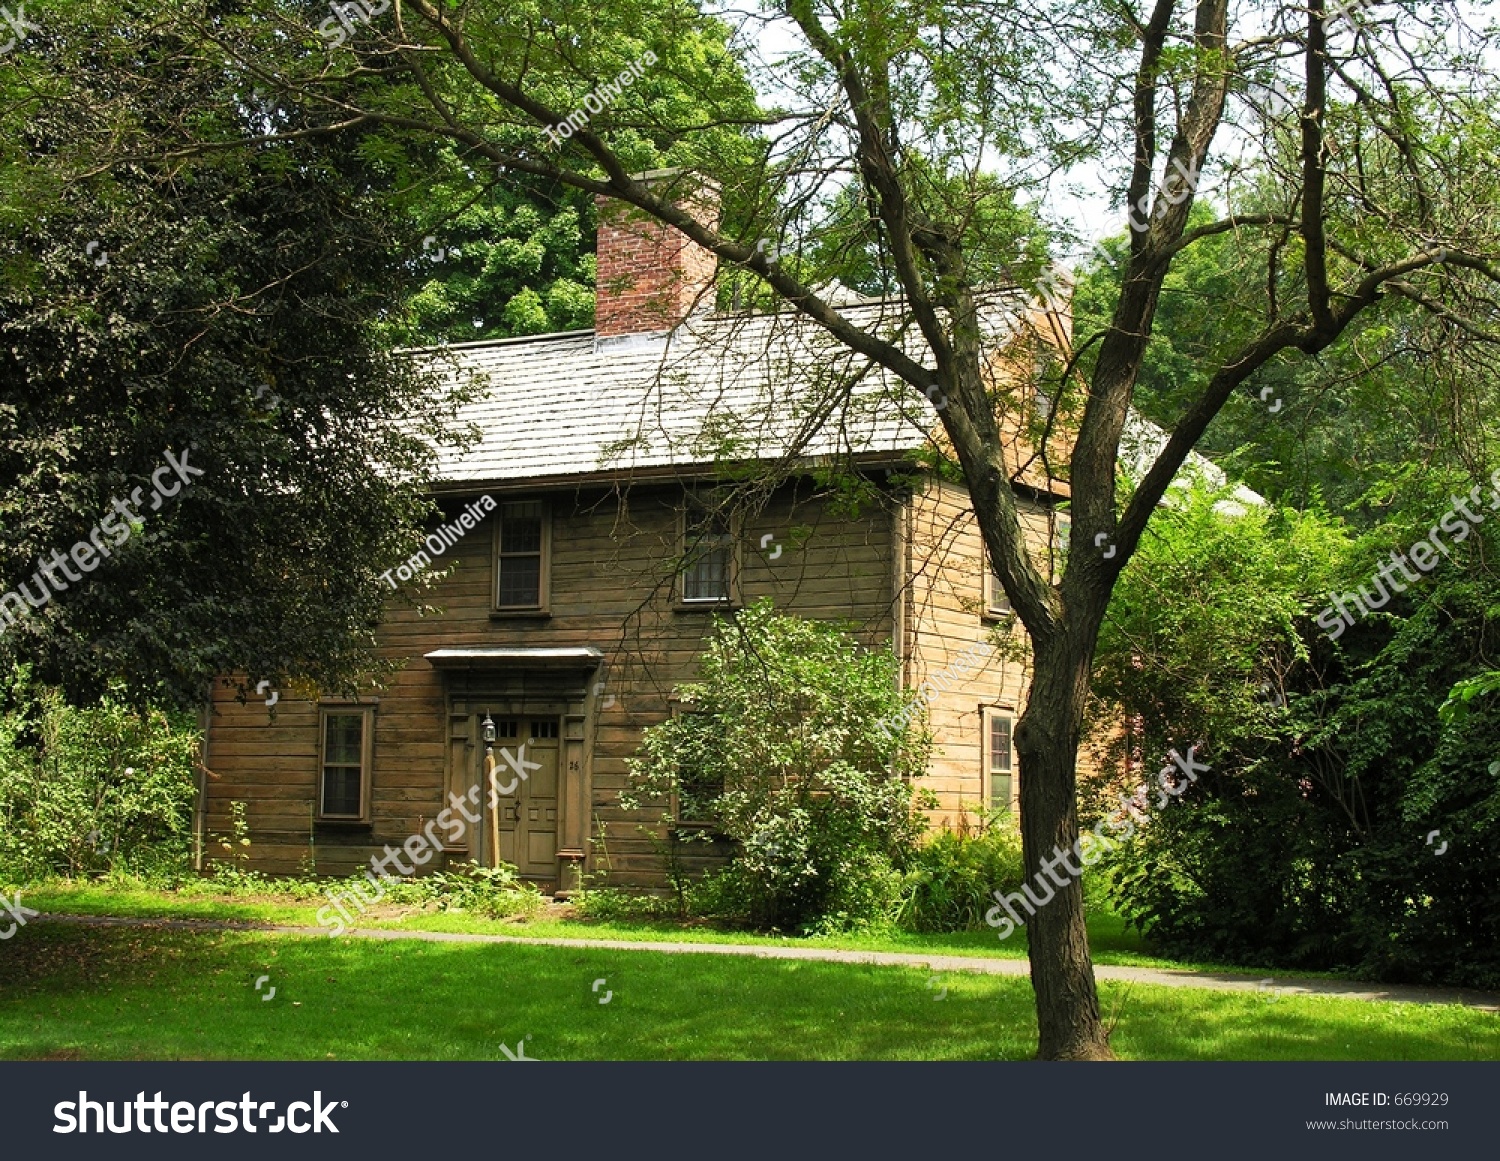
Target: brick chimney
{"type": "Point", "coordinates": [650, 276]}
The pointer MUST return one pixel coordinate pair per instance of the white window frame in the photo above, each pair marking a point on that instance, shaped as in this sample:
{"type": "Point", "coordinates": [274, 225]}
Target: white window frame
{"type": "Point", "coordinates": [996, 603]}
{"type": "Point", "coordinates": [1062, 531]}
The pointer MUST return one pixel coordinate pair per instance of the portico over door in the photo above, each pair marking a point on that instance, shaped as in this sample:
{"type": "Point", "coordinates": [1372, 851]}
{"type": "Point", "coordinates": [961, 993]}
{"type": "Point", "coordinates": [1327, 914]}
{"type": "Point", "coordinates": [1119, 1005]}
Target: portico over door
{"type": "Point", "coordinates": [541, 703]}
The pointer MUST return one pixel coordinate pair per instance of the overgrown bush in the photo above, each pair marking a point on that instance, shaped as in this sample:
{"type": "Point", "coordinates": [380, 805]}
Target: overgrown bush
{"type": "Point", "coordinates": [955, 873]}
{"type": "Point", "coordinates": [1313, 840]}
{"type": "Point", "coordinates": [87, 791]}
{"type": "Point", "coordinates": [785, 747]}
{"type": "Point", "coordinates": [494, 892]}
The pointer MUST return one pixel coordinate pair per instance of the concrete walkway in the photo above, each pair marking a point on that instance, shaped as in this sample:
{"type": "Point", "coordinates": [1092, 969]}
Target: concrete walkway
{"type": "Point", "coordinates": [1271, 987]}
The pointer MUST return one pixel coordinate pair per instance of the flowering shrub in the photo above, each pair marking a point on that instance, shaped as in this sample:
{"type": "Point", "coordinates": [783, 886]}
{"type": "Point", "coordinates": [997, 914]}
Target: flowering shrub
{"type": "Point", "coordinates": [781, 749]}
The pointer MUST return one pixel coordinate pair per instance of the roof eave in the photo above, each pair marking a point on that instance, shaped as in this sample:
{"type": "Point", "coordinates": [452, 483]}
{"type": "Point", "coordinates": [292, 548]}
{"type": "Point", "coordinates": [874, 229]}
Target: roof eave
{"type": "Point", "coordinates": [664, 473]}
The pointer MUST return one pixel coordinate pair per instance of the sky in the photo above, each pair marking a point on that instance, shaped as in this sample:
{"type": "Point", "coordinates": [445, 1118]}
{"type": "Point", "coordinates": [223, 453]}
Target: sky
{"type": "Point", "coordinates": [1081, 198]}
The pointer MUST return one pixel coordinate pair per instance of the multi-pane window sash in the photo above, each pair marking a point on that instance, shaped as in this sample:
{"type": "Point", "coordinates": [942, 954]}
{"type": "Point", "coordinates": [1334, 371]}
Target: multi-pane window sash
{"type": "Point", "coordinates": [710, 547]}
{"type": "Point", "coordinates": [519, 561]}
{"type": "Point", "coordinates": [696, 788]}
{"type": "Point", "coordinates": [995, 600]}
{"type": "Point", "coordinates": [343, 764]}
{"type": "Point", "coordinates": [1000, 762]}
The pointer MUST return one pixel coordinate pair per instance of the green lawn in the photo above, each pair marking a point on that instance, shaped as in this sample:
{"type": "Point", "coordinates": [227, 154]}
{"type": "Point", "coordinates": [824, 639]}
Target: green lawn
{"type": "Point", "coordinates": [70, 992]}
{"type": "Point", "coordinates": [1109, 940]}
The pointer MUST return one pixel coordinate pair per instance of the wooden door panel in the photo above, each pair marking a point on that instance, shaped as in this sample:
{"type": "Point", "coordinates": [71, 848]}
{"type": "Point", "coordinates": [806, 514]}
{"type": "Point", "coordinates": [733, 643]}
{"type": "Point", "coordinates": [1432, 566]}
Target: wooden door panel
{"type": "Point", "coordinates": [543, 781]}
{"type": "Point", "coordinates": [543, 850]}
{"type": "Point", "coordinates": [527, 816]}
{"type": "Point", "coordinates": [540, 798]}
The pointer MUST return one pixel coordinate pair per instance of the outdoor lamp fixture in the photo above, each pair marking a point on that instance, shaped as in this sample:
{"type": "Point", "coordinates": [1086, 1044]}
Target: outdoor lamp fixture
{"type": "Point", "coordinates": [488, 727]}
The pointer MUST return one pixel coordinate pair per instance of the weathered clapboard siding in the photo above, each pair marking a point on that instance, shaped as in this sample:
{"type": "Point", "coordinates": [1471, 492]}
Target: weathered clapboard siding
{"type": "Point", "coordinates": [270, 762]}
{"type": "Point", "coordinates": [912, 569]}
{"type": "Point", "coordinates": [946, 618]}
{"type": "Point", "coordinates": [611, 588]}
{"type": "Point", "coordinates": [837, 573]}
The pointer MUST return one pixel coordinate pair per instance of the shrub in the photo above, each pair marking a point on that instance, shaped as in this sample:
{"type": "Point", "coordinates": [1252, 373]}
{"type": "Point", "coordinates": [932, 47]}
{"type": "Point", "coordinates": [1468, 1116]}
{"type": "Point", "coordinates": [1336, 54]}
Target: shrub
{"type": "Point", "coordinates": [495, 892]}
{"type": "Point", "coordinates": [612, 903]}
{"type": "Point", "coordinates": [1310, 843]}
{"type": "Point", "coordinates": [88, 791]}
{"type": "Point", "coordinates": [788, 744]}
{"type": "Point", "coordinates": [955, 873]}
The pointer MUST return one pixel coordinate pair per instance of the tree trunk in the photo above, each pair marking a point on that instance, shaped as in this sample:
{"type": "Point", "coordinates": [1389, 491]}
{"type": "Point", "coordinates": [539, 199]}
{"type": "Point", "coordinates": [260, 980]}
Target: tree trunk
{"type": "Point", "coordinates": [1062, 971]}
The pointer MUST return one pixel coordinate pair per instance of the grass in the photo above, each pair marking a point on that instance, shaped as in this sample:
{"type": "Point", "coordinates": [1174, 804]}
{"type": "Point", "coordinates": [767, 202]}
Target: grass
{"type": "Point", "coordinates": [1109, 939]}
{"type": "Point", "coordinates": [71, 992]}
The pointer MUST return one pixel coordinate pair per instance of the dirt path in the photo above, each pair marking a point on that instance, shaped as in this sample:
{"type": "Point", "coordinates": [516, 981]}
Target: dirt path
{"type": "Point", "coordinates": [1272, 987]}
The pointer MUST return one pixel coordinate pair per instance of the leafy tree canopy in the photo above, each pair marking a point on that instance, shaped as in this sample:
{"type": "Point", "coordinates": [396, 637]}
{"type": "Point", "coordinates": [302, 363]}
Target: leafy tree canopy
{"type": "Point", "coordinates": [228, 312]}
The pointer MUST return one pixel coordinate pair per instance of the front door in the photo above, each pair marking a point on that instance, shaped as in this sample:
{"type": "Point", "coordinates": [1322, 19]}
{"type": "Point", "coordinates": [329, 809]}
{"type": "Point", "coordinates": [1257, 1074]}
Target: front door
{"type": "Point", "coordinates": [524, 806]}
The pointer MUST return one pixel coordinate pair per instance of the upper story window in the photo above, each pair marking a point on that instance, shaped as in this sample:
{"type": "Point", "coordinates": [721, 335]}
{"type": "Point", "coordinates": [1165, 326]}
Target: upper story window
{"type": "Point", "coordinates": [521, 555]}
{"type": "Point", "coordinates": [996, 603]}
{"type": "Point", "coordinates": [347, 738]}
{"type": "Point", "coordinates": [708, 556]}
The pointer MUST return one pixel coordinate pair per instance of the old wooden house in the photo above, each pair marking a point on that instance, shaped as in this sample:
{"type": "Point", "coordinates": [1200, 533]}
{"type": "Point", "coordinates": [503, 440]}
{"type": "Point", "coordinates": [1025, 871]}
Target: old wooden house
{"type": "Point", "coordinates": [585, 545]}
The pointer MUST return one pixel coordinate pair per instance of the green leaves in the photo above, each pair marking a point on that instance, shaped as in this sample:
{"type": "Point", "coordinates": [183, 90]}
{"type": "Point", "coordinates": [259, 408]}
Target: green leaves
{"type": "Point", "coordinates": [91, 790]}
{"type": "Point", "coordinates": [1208, 619]}
{"type": "Point", "coordinates": [502, 261]}
{"type": "Point", "coordinates": [782, 745]}
{"type": "Point", "coordinates": [1308, 843]}
{"type": "Point", "coordinates": [1455, 710]}
{"type": "Point", "coordinates": [239, 301]}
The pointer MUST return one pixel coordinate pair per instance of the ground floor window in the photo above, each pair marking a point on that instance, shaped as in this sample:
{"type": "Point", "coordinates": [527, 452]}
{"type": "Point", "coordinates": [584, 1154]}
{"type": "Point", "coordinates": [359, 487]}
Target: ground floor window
{"type": "Point", "coordinates": [697, 787]}
{"type": "Point", "coordinates": [347, 739]}
{"type": "Point", "coordinates": [998, 762]}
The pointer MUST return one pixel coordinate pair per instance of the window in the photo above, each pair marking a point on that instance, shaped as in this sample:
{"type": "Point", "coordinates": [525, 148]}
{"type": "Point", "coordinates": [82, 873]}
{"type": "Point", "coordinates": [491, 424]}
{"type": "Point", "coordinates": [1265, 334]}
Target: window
{"type": "Point", "coordinates": [1060, 547]}
{"type": "Point", "coordinates": [696, 786]}
{"type": "Point", "coordinates": [507, 728]}
{"type": "Point", "coordinates": [1043, 389]}
{"type": "Point", "coordinates": [997, 759]}
{"type": "Point", "coordinates": [708, 553]}
{"type": "Point", "coordinates": [521, 556]}
{"type": "Point", "coordinates": [347, 742]}
{"type": "Point", "coordinates": [696, 791]}
{"type": "Point", "coordinates": [996, 603]}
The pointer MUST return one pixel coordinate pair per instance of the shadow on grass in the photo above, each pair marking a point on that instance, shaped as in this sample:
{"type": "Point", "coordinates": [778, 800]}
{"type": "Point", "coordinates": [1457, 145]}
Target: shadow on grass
{"type": "Point", "coordinates": [149, 993]}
